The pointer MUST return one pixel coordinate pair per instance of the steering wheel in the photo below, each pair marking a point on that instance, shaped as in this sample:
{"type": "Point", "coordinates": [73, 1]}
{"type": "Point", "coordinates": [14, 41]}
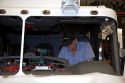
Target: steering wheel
{"type": "Point", "coordinates": [53, 63]}
{"type": "Point", "coordinates": [58, 64]}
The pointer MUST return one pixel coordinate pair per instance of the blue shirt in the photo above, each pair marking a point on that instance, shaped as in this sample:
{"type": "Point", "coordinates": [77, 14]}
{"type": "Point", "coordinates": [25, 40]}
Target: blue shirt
{"type": "Point", "coordinates": [84, 52]}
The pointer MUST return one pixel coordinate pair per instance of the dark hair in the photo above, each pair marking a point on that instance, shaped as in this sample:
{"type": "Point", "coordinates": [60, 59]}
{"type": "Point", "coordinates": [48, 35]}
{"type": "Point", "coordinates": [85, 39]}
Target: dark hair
{"type": "Point", "coordinates": [68, 39]}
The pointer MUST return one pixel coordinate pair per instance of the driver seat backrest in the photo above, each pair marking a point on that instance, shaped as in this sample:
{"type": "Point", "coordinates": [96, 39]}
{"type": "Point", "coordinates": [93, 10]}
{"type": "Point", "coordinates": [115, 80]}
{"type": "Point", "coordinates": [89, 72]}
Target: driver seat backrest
{"type": "Point", "coordinates": [47, 46]}
{"type": "Point", "coordinates": [82, 37]}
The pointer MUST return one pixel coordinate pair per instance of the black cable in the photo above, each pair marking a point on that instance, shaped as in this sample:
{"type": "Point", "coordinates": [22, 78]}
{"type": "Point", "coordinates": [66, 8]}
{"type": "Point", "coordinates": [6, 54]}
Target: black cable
{"type": "Point", "coordinates": [97, 2]}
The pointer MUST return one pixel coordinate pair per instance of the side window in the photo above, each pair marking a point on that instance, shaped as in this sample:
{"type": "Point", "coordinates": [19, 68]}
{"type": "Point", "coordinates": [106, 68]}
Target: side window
{"type": "Point", "coordinates": [10, 44]}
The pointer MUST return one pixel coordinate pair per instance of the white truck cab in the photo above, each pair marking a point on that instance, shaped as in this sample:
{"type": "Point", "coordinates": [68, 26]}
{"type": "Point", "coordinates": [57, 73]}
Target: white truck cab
{"type": "Point", "coordinates": [32, 33]}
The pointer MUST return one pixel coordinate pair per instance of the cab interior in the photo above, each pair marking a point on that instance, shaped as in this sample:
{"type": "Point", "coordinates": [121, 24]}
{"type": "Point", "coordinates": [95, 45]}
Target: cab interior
{"type": "Point", "coordinates": [43, 40]}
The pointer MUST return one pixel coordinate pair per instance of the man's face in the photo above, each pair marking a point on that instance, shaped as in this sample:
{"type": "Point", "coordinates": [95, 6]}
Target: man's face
{"type": "Point", "coordinates": [72, 46]}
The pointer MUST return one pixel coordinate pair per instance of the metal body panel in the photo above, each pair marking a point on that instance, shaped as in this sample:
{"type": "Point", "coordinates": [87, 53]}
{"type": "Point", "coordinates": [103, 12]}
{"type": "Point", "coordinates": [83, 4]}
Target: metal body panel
{"type": "Point", "coordinates": [36, 7]}
{"type": "Point", "coordinates": [83, 11]}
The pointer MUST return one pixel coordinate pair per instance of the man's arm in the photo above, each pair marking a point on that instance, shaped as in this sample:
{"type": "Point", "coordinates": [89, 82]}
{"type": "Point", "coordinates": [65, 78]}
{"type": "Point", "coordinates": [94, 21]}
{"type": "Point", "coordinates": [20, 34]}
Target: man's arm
{"type": "Point", "coordinates": [62, 53]}
{"type": "Point", "coordinates": [89, 52]}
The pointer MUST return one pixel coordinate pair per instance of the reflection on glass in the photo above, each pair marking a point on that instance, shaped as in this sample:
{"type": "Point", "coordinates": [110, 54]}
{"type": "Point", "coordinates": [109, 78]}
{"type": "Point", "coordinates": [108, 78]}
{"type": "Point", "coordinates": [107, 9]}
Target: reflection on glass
{"type": "Point", "coordinates": [45, 36]}
{"type": "Point", "coordinates": [10, 44]}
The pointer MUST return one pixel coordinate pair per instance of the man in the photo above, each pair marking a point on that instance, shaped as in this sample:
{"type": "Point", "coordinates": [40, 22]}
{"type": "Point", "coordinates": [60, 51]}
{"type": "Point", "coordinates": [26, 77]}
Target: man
{"type": "Point", "coordinates": [76, 51]}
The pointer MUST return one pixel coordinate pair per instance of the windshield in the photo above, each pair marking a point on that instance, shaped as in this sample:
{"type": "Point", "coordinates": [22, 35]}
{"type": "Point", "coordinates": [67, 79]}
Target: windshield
{"type": "Point", "coordinates": [10, 44]}
{"type": "Point", "coordinates": [59, 45]}
{"type": "Point", "coordinates": [44, 38]}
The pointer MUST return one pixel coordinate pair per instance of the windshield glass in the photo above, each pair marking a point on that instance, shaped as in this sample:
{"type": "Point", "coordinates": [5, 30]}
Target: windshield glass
{"type": "Point", "coordinates": [52, 44]}
{"type": "Point", "coordinates": [10, 44]}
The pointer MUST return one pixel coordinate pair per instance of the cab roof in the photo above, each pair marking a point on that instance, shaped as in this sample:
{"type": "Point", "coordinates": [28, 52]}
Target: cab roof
{"type": "Point", "coordinates": [36, 7]}
{"type": "Point", "coordinates": [30, 3]}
